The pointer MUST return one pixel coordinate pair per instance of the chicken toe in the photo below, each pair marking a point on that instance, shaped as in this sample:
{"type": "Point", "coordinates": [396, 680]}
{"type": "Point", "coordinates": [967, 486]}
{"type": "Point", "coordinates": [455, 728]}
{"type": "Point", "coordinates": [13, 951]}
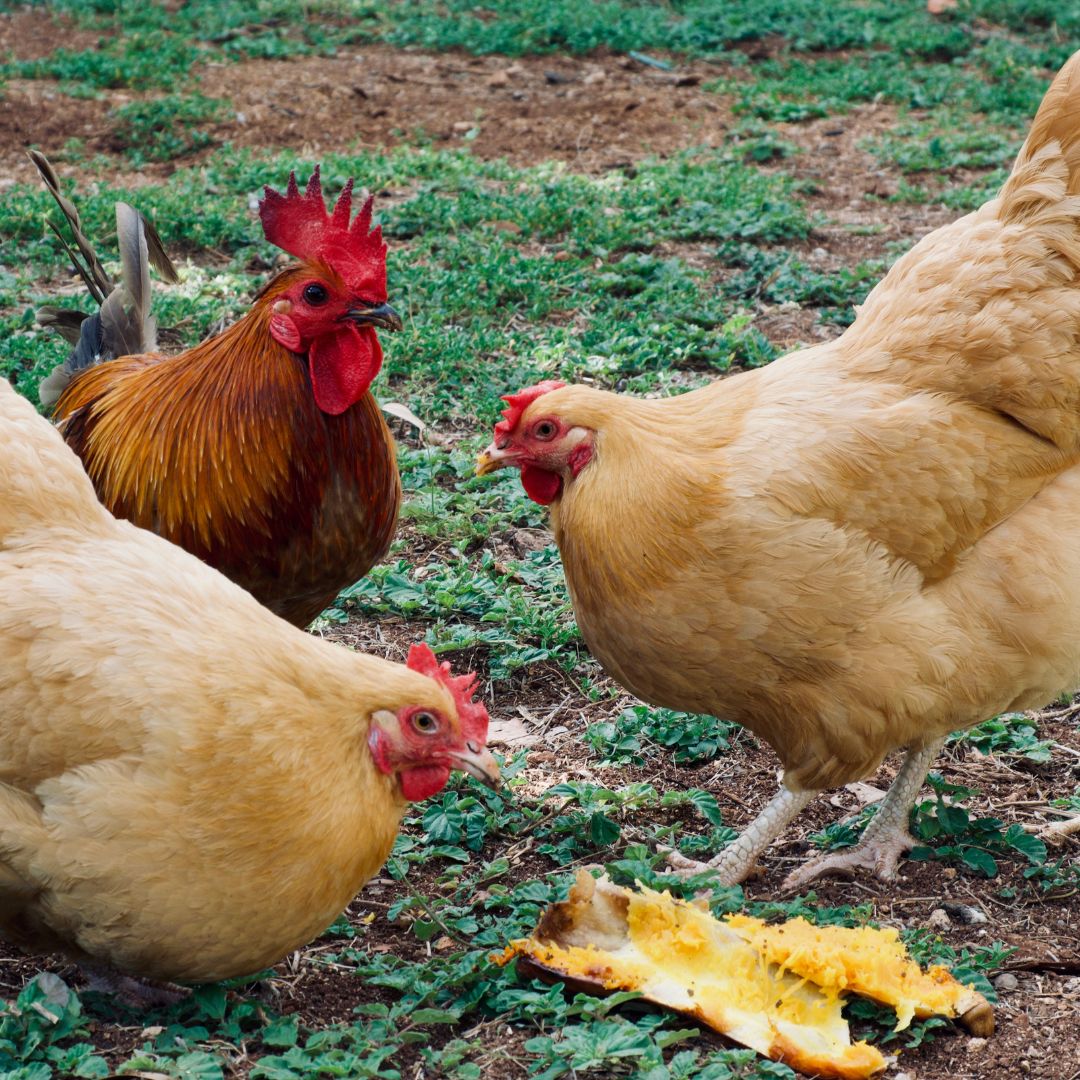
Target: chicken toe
{"type": "Point", "coordinates": [886, 837]}
{"type": "Point", "coordinates": [879, 854]}
{"type": "Point", "coordinates": [1058, 831]}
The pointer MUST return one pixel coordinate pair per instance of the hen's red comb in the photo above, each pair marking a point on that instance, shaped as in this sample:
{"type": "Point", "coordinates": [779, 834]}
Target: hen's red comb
{"type": "Point", "coordinates": [300, 225]}
{"type": "Point", "coordinates": [517, 403]}
{"type": "Point", "coordinates": [473, 715]}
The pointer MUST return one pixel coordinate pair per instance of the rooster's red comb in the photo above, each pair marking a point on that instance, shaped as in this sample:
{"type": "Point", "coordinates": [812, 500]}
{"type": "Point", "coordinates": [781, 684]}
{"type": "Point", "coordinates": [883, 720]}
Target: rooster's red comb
{"type": "Point", "coordinates": [473, 715]}
{"type": "Point", "coordinates": [517, 403]}
{"type": "Point", "coordinates": [300, 225]}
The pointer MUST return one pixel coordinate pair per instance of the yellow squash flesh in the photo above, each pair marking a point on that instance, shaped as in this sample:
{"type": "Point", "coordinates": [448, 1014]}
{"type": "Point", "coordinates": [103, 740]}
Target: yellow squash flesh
{"type": "Point", "coordinates": [775, 989]}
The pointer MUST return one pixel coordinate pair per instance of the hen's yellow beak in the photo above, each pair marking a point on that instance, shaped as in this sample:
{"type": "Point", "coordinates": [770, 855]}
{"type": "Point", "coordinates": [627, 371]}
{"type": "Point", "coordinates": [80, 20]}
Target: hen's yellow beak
{"type": "Point", "coordinates": [493, 458]}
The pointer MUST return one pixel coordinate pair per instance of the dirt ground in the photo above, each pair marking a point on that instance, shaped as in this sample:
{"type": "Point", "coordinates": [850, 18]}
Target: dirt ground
{"type": "Point", "coordinates": [596, 114]}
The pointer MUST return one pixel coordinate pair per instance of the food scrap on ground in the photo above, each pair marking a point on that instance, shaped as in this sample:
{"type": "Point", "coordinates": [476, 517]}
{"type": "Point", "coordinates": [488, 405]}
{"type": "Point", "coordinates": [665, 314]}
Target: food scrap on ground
{"type": "Point", "coordinates": [778, 989]}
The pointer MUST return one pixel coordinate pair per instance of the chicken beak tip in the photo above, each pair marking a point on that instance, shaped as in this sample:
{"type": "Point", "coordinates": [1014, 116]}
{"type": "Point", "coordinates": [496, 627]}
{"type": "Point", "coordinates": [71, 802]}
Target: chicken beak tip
{"type": "Point", "coordinates": [382, 315]}
{"type": "Point", "coordinates": [490, 460]}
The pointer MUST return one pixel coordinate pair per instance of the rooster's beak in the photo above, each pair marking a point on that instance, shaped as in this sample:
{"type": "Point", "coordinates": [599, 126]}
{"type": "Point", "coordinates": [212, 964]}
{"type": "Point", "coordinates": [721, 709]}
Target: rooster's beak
{"type": "Point", "coordinates": [493, 458]}
{"type": "Point", "coordinates": [381, 315]}
{"type": "Point", "coordinates": [480, 764]}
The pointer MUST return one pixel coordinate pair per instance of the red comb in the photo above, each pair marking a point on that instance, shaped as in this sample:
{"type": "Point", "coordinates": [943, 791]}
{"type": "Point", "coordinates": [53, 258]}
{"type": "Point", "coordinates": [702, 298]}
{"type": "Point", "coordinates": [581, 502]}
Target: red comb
{"type": "Point", "coordinates": [300, 225]}
{"type": "Point", "coordinates": [517, 403]}
{"type": "Point", "coordinates": [473, 715]}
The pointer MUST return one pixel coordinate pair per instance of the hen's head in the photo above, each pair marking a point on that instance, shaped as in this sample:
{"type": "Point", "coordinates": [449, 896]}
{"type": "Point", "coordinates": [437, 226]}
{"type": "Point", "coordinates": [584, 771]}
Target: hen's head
{"type": "Point", "coordinates": [329, 305]}
{"type": "Point", "coordinates": [422, 741]}
{"type": "Point", "coordinates": [538, 436]}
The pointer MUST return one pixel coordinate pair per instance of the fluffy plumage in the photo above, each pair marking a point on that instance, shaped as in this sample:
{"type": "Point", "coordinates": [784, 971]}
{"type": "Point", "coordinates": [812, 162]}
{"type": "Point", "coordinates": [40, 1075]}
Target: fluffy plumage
{"type": "Point", "coordinates": [260, 450]}
{"type": "Point", "coordinates": [188, 789]}
{"type": "Point", "coordinates": [867, 544]}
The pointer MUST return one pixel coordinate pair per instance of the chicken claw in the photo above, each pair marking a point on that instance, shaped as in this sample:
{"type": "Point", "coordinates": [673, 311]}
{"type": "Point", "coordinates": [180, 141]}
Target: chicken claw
{"type": "Point", "coordinates": [879, 854]}
{"type": "Point", "coordinates": [682, 867]}
{"type": "Point", "coordinates": [886, 837]}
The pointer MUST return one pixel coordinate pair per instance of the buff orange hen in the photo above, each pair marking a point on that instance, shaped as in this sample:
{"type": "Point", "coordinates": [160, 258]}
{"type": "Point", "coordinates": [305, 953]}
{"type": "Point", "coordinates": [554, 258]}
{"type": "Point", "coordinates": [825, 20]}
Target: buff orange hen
{"type": "Point", "coordinates": [191, 786]}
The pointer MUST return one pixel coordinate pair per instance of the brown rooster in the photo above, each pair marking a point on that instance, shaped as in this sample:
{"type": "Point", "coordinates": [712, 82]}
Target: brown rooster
{"type": "Point", "coordinates": [260, 450]}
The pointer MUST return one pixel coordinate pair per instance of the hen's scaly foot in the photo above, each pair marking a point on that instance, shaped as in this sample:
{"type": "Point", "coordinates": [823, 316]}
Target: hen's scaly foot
{"type": "Point", "coordinates": [132, 991]}
{"type": "Point", "coordinates": [682, 867]}
{"type": "Point", "coordinates": [879, 854]}
{"type": "Point", "coordinates": [739, 858]}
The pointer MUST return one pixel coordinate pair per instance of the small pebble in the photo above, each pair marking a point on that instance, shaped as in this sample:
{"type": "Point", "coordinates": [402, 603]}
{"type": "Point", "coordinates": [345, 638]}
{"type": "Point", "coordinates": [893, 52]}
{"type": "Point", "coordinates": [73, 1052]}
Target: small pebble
{"type": "Point", "coordinates": [938, 920]}
{"type": "Point", "coordinates": [1006, 981]}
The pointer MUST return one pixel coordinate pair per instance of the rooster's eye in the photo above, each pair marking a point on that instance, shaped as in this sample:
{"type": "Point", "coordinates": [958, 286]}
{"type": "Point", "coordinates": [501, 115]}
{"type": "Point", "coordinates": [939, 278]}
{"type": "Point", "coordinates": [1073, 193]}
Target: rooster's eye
{"type": "Point", "coordinates": [425, 723]}
{"type": "Point", "coordinates": [545, 430]}
{"type": "Point", "coordinates": [315, 295]}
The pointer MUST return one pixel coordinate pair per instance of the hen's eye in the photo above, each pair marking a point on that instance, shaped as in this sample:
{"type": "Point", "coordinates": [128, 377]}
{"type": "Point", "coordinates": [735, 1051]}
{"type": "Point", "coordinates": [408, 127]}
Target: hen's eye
{"type": "Point", "coordinates": [425, 722]}
{"type": "Point", "coordinates": [315, 294]}
{"type": "Point", "coordinates": [545, 430]}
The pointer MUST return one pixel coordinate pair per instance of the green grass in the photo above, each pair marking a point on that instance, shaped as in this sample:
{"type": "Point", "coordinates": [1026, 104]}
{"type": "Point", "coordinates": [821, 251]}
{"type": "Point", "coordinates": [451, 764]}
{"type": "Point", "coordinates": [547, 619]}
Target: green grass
{"type": "Point", "coordinates": [165, 128]}
{"type": "Point", "coordinates": [643, 279]}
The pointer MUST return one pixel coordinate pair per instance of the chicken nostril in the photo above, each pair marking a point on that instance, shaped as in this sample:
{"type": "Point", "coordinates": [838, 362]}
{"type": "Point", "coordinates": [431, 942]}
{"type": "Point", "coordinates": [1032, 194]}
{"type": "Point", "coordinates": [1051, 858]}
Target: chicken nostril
{"type": "Point", "coordinates": [502, 444]}
{"type": "Point", "coordinates": [472, 748]}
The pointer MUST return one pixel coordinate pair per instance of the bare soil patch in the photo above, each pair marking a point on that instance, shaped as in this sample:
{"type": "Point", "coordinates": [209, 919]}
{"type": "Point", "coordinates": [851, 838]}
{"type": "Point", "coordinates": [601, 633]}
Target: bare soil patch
{"type": "Point", "coordinates": [32, 33]}
{"type": "Point", "coordinates": [37, 114]}
{"type": "Point", "coordinates": [593, 113]}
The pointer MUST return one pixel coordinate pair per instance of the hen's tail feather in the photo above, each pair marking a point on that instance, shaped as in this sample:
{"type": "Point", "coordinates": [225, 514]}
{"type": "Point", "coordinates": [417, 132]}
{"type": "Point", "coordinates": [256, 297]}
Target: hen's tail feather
{"type": "Point", "coordinates": [1054, 134]}
{"type": "Point", "coordinates": [42, 482]}
{"type": "Point", "coordinates": [124, 325]}
{"type": "Point", "coordinates": [987, 310]}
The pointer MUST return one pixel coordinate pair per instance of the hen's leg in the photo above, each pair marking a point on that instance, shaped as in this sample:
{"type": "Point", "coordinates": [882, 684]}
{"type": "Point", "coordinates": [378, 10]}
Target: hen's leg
{"type": "Point", "coordinates": [886, 837]}
{"type": "Point", "coordinates": [738, 858]}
